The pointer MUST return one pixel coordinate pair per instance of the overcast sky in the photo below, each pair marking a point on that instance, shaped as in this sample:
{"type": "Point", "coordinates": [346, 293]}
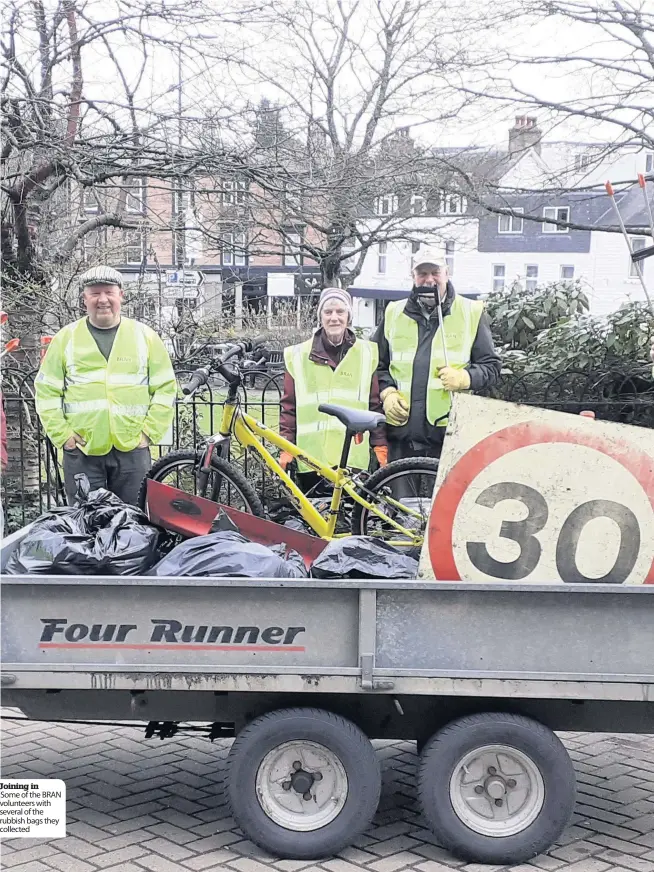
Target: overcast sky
{"type": "Point", "coordinates": [209, 85]}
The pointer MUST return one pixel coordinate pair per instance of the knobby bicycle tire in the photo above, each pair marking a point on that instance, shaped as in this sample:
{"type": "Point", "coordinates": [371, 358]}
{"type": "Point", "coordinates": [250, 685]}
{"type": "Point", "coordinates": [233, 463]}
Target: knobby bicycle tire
{"type": "Point", "coordinates": [231, 474]}
{"type": "Point", "coordinates": [393, 470]}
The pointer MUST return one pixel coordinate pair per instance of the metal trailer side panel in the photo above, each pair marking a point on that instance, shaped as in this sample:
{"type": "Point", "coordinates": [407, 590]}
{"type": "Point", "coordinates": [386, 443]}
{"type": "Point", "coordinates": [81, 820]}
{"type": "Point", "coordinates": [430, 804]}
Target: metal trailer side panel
{"type": "Point", "coordinates": [231, 635]}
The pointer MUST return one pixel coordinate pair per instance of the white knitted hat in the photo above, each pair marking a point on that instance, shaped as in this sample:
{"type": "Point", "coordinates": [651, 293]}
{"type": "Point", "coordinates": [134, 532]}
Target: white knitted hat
{"type": "Point", "coordinates": [335, 294]}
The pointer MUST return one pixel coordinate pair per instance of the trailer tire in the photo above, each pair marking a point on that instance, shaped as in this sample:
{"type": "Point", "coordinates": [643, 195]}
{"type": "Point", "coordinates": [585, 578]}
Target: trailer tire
{"type": "Point", "coordinates": [496, 788]}
{"type": "Point", "coordinates": [339, 778]}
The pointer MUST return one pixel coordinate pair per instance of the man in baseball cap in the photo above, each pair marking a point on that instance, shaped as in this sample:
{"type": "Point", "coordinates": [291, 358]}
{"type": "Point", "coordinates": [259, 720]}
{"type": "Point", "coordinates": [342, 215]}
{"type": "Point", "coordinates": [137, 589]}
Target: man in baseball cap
{"type": "Point", "coordinates": [430, 345]}
{"type": "Point", "coordinates": [105, 391]}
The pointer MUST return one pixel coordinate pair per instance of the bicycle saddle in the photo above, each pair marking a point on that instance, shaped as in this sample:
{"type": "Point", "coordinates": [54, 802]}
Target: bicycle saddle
{"type": "Point", "coordinates": [354, 419]}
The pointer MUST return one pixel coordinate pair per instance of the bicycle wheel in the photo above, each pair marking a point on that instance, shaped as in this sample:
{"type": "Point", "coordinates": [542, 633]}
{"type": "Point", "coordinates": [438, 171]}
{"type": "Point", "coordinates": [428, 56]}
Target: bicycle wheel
{"type": "Point", "coordinates": [226, 485]}
{"type": "Point", "coordinates": [403, 490]}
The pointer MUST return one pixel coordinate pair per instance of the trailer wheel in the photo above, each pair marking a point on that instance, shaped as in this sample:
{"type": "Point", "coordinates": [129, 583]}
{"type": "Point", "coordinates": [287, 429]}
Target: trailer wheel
{"type": "Point", "coordinates": [496, 788]}
{"type": "Point", "coordinates": [302, 783]}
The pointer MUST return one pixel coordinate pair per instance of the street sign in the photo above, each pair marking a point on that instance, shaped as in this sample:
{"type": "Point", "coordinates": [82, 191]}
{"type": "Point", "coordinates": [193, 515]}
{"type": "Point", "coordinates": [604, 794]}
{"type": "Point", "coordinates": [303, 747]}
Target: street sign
{"type": "Point", "coordinates": [534, 496]}
{"type": "Point", "coordinates": [192, 278]}
{"type": "Point", "coordinates": [281, 285]}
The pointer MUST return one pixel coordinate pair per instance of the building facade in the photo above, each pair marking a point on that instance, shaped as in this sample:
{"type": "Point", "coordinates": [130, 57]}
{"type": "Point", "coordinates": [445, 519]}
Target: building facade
{"type": "Point", "coordinates": [487, 251]}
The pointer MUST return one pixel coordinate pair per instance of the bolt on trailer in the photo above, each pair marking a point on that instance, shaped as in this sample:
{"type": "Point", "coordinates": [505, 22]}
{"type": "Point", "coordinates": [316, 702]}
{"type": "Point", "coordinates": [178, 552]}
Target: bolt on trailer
{"type": "Point", "coordinates": [304, 673]}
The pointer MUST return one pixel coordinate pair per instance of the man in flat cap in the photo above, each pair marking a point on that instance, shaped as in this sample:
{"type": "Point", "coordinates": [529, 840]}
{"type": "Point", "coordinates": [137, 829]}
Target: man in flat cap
{"type": "Point", "coordinates": [105, 391]}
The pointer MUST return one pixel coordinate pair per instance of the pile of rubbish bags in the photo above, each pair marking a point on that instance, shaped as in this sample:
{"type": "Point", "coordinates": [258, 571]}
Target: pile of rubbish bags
{"type": "Point", "coordinates": [101, 535]}
{"type": "Point", "coordinates": [227, 554]}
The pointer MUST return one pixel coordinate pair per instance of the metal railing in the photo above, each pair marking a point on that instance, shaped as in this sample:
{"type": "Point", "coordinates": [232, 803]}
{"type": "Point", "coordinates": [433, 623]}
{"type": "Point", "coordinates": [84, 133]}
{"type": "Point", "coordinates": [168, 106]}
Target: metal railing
{"type": "Point", "coordinates": [33, 480]}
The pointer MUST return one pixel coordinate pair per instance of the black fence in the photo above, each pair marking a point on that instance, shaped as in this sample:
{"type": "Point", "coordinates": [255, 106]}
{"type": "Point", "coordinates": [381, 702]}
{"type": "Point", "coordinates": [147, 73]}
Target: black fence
{"type": "Point", "coordinates": [33, 480]}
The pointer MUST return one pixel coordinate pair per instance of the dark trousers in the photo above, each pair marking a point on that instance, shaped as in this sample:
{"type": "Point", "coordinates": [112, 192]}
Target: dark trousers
{"type": "Point", "coordinates": [119, 471]}
{"type": "Point", "coordinates": [398, 449]}
{"type": "Point", "coordinates": [412, 486]}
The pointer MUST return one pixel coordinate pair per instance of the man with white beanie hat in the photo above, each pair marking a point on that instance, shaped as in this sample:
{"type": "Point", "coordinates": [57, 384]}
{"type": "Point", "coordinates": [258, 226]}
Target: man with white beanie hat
{"type": "Point", "coordinates": [332, 366]}
{"type": "Point", "coordinates": [422, 361]}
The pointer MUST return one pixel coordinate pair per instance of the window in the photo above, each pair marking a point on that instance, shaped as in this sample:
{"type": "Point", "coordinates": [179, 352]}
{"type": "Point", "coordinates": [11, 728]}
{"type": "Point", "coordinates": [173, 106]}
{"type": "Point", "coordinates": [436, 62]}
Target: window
{"type": "Point", "coordinates": [386, 205]}
{"type": "Point", "coordinates": [135, 199]}
{"type": "Point", "coordinates": [90, 202]}
{"type": "Point", "coordinates": [582, 161]}
{"type": "Point", "coordinates": [415, 247]}
{"type": "Point", "coordinates": [233, 249]}
{"type": "Point", "coordinates": [292, 255]}
{"type": "Point", "coordinates": [531, 276]}
{"type": "Point", "coordinates": [418, 204]}
{"type": "Point", "coordinates": [134, 246]}
{"type": "Point", "coordinates": [240, 249]}
{"type": "Point", "coordinates": [556, 213]}
{"type": "Point", "coordinates": [453, 204]}
{"type": "Point", "coordinates": [499, 275]}
{"type": "Point", "coordinates": [567, 273]}
{"type": "Point", "coordinates": [649, 162]}
{"type": "Point", "coordinates": [449, 256]}
{"type": "Point", "coordinates": [637, 244]}
{"type": "Point", "coordinates": [381, 258]}
{"type": "Point", "coordinates": [510, 223]}
{"type": "Point", "coordinates": [234, 191]}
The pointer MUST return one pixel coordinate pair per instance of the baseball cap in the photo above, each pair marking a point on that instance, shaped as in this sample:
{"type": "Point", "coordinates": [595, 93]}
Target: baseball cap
{"type": "Point", "coordinates": [428, 255]}
{"type": "Point", "coordinates": [100, 275]}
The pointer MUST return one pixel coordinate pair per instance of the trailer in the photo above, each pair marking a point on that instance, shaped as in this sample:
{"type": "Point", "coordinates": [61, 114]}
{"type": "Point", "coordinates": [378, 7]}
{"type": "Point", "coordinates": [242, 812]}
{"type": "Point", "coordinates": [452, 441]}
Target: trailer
{"type": "Point", "coordinates": [305, 673]}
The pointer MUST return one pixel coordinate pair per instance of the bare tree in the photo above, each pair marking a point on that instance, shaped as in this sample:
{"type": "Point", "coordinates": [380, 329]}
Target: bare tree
{"type": "Point", "coordinates": [87, 105]}
{"type": "Point", "coordinates": [345, 80]}
{"type": "Point", "coordinates": [596, 83]}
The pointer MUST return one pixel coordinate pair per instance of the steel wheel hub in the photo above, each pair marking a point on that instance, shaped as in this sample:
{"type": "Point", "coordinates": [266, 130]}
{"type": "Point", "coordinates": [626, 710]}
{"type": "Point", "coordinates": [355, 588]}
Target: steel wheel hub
{"type": "Point", "coordinates": [497, 790]}
{"type": "Point", "coordinates": [301, 786]}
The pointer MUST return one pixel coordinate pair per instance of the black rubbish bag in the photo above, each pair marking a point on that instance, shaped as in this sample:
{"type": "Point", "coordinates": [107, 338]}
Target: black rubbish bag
{"type": "Point", "coordinates": [363, 557]}
{"type": "Point", "coordinates": [100, 535]}
{"type": "Point", "coordinates": [229, 555]}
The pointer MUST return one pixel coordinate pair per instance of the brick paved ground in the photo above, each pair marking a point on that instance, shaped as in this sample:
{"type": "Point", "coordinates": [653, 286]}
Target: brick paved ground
{"type": "Point", "coordinates": [153, 806]}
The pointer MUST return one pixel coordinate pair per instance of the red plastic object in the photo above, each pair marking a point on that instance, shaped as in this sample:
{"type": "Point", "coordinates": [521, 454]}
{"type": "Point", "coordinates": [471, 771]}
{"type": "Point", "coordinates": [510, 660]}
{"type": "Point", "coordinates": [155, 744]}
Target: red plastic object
{"type": "Point", "coordinates": [45, 341]}
{"type": "Point", "coordinates": [12, 345]}
{"type": "Point", "coordinates": [193, 516]}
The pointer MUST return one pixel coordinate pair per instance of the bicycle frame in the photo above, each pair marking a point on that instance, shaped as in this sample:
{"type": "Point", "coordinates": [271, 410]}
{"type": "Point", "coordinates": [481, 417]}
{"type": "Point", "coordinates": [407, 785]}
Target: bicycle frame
{"type": "Point", "coordinates": [249, 433]}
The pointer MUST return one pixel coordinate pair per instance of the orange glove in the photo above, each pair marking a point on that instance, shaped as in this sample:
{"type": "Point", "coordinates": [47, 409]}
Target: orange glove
{"type": "Point", "coordinates": [381, 453]}
{"type": "Point", "coordinates": [285, 459]}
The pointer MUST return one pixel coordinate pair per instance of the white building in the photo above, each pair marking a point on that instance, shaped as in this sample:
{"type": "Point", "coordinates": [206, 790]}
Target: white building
{"type": "Point", "coordinates": [487, 251]}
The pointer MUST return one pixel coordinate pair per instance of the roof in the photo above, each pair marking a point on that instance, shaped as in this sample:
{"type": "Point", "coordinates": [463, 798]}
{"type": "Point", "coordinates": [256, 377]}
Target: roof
{"type": "Point", "coordinates": [631, 204]}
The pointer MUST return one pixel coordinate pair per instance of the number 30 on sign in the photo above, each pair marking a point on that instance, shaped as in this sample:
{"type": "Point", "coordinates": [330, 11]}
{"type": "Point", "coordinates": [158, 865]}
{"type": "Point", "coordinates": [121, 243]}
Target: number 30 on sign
{"type": "Point", "coordinates": [533, 496]}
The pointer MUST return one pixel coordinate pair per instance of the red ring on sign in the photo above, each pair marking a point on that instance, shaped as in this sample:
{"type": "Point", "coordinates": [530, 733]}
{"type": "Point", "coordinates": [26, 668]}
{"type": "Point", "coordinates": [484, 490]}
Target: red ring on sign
{"type": "Point", "coordinates": [463, 473]}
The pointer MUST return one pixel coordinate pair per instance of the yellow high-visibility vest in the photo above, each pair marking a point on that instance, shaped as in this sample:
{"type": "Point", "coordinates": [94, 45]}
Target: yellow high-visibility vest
{"type": "Point", "coordinates": [401, 333]}
{"type": "Point", "coordinates": [109, 403]}
{"type": "Point", "coordinates": [348, 385]}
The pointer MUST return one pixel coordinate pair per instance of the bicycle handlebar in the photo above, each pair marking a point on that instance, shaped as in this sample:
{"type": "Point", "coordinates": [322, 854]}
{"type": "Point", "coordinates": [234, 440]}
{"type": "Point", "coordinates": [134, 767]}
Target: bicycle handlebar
{"type": "Point", "coordinates": [201, 376]}
{"type": "Point", "coordinates": [198, 378]}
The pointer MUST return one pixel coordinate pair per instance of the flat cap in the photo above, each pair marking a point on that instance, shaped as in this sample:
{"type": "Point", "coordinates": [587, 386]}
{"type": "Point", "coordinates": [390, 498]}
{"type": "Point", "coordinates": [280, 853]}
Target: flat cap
{"type": "Point", "coordinates": [100, 275]}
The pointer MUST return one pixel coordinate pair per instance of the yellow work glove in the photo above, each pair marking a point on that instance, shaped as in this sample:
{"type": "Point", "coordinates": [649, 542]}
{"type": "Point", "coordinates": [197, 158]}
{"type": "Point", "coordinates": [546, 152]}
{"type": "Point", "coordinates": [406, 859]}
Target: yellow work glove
{"type": "Point", "coordinates": [396, 408]}
{"type": "Point", "coordinates": [454, 379]}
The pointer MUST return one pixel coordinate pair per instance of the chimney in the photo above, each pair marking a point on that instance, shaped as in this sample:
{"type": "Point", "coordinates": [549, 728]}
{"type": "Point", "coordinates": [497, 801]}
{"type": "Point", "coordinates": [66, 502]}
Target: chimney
{"type": "Point", "coordinates": [524, 134]}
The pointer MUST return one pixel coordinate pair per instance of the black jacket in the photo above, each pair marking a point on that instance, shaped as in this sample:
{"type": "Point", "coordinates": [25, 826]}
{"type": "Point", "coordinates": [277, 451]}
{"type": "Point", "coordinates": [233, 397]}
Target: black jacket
{"type": "Point", "coordinates": [484, 368]}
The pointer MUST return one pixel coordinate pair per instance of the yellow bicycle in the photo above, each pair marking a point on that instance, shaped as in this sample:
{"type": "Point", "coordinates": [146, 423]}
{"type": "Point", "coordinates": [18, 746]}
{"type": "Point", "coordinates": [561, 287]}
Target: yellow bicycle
{"type": "Point", "coordinates": [392, 503]}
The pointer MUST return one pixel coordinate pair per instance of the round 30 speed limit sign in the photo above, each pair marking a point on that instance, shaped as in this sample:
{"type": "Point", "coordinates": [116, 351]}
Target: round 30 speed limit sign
{"type": "Point", "coordinates": [541, 497]}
